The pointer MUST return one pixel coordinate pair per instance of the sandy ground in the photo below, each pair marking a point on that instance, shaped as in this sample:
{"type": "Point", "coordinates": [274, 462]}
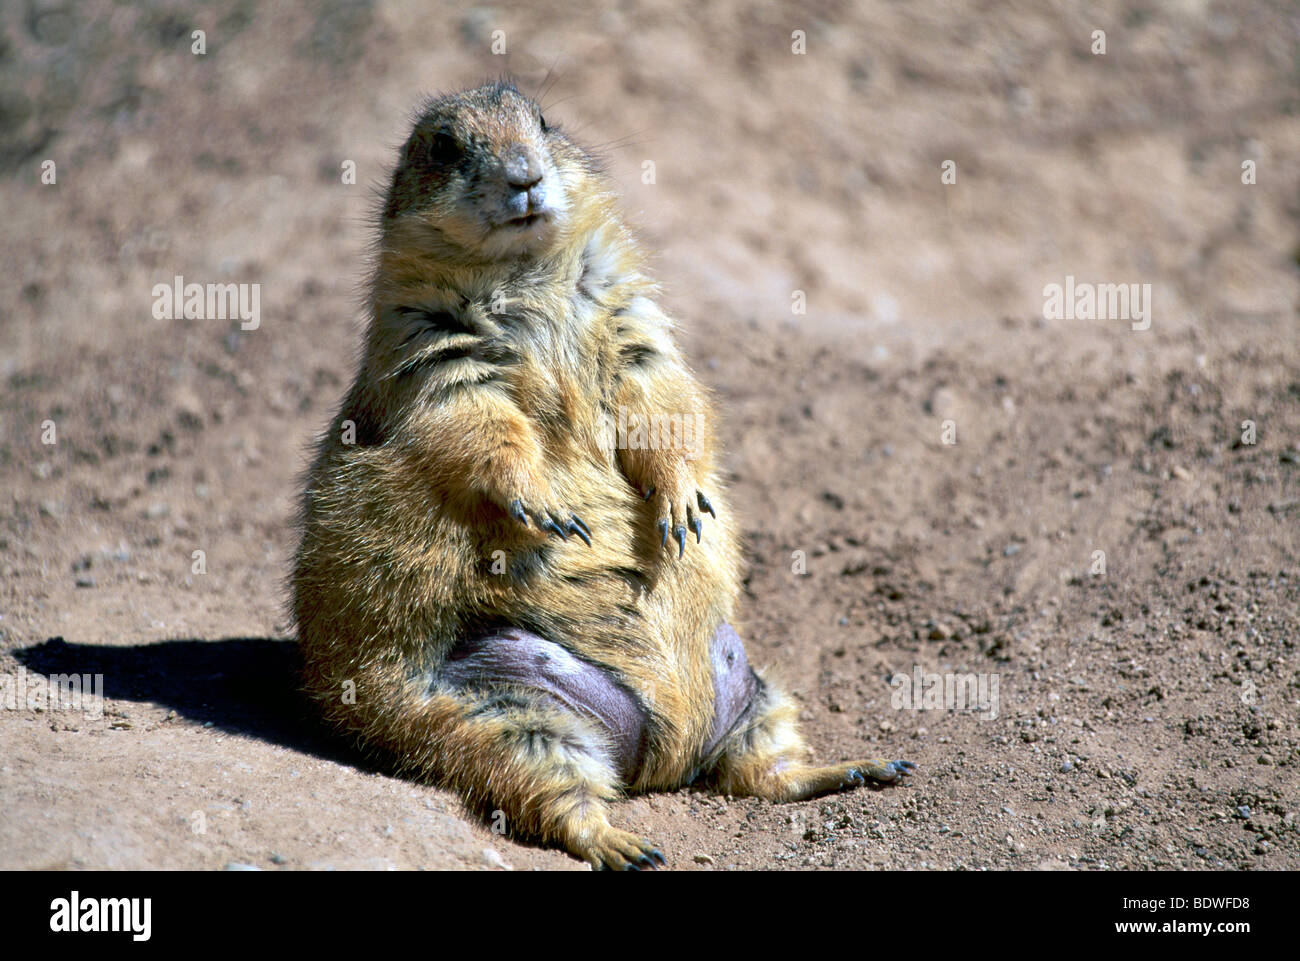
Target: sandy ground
{"type": "Point", "coordinates": [1148, 713]}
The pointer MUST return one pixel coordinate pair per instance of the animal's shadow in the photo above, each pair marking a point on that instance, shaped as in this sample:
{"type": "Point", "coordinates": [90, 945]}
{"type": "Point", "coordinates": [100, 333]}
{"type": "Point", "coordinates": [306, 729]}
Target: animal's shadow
{"type": "Point", "coordinates": [243, 685]}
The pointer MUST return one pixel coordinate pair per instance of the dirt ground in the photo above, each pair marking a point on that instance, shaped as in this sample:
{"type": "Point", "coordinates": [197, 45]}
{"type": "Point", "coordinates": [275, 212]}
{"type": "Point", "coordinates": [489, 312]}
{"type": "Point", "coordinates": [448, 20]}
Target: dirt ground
{"type": "Point", "coordinates": [1149, 696]}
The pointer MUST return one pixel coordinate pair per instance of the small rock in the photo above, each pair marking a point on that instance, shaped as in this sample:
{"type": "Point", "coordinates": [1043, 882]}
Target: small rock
{"type": "Point", "coordinates": [702, 859]}
{"type": "Point", "coordinates": [239, 866]}
{"type": "Point", "coordinates": [942, 402]}
{"type": "Point", "coordinates": [494, 859]}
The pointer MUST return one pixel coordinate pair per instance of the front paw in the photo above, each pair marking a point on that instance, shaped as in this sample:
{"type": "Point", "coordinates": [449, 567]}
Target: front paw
{"type": "Point", "coordinates": [552, 520]}
{"type": "Point", "coordinates": [679, 507]}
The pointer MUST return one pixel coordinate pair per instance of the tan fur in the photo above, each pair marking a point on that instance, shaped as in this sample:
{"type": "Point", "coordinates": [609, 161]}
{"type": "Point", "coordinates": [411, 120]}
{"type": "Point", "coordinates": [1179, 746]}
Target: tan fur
{"type": "Point", "coordinates": [548, 333]}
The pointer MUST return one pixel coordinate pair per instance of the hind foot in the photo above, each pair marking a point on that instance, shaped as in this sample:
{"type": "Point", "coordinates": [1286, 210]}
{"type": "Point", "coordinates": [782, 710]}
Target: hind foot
{"type": "Point", "coordinates": [877, 770]}
{"type": "Point", "coordinates": [614, 850]}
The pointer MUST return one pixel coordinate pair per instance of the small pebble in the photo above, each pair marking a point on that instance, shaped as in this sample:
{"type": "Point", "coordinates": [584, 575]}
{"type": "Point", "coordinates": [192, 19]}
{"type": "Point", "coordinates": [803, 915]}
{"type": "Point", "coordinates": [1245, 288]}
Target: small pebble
{"type": "Point", "coordinates": [494, 859]}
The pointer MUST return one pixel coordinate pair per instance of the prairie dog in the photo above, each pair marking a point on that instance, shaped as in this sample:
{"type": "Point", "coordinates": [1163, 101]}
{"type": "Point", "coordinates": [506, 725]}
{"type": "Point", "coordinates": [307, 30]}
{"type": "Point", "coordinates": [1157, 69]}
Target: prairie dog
{"type": "Point", "coordinates": [518, 565]}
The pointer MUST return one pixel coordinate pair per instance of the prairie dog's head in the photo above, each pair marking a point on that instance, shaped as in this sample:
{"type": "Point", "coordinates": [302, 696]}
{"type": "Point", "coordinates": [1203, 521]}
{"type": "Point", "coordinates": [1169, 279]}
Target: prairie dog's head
{"type": "Point", "coordinates": [485, 175]}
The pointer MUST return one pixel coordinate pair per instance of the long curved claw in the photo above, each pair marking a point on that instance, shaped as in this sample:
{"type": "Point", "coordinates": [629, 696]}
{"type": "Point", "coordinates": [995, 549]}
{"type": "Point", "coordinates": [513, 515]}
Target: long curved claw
{"type": "Point", "coordinates": [517, 512]}
{"type": "Point", "coordinates": [679, 533]}
{"type": "Point", "coordinates": [705, 505]}
{"type": "Point", "coordinates": [663, 530]}
{"type": "Point", "coordinates": [573, 528]}
{"type": "Point", "coordinates": [549, 525]}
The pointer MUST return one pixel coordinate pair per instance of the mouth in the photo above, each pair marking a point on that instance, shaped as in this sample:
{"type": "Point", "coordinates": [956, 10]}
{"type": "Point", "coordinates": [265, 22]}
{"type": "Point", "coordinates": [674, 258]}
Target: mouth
{"type": "Point", "coordinates": [524, 222]}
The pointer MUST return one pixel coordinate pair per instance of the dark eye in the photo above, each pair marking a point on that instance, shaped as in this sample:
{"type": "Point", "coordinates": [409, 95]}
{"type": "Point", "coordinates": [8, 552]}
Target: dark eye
{"type": "Point", "coordinates": [542, 120]}
{"type": "Point", "coordinates": [444, 149]}
{"type": "Point", "coordinates": [434, 147]}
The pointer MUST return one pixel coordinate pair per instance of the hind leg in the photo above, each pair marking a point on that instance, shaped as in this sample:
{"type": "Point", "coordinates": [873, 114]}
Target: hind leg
{"type": "Point", "coordinates": [545, 768]}
{"type": "Point", "coordinates": [517, 724]}
{"type": "Point", "coordinates": [764, 757]}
